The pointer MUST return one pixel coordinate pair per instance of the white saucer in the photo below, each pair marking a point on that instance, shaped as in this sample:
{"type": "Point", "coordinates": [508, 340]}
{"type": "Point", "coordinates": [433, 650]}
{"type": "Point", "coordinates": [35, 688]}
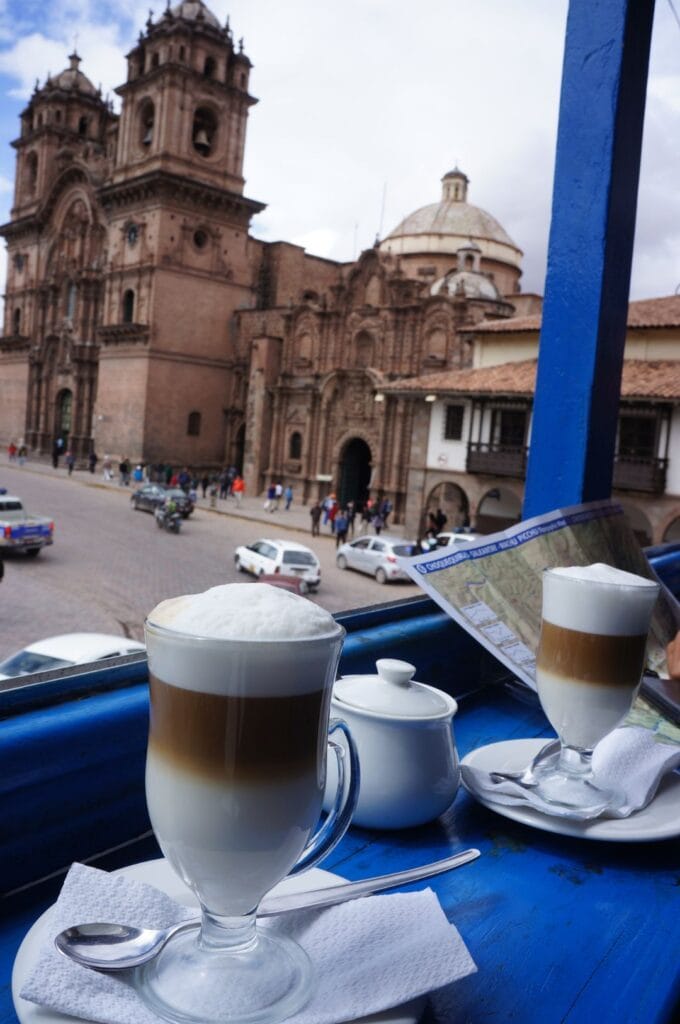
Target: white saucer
{"type": "Point", "coordinates": [160, 874]}
{"type": "Point", "coordinates": [660, 820]}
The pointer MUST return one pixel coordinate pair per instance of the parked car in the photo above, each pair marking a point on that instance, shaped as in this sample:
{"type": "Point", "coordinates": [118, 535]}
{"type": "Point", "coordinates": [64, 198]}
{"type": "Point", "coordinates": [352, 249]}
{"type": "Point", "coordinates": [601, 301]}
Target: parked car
{"type": "Point", "coordinates": [293, 584]}
{"type": "Point", "coordinates": [279, 558]}
{"type": "Point", "coordinates": [377, 556]}
{"type": "Point", "coordinates": [64, 650]}
{"type": "Point", "coordinates": [20, 531]}
{"type": "Point", "coordinates": [150, 496]}
{"type": "Point", "coordinates": [457, 538]}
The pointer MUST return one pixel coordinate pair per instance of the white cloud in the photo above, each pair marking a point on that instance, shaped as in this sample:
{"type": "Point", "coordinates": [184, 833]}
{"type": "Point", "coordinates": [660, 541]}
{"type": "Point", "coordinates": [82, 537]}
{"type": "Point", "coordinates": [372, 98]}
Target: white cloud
{"type": "Point", "coordinates": [370, 95]}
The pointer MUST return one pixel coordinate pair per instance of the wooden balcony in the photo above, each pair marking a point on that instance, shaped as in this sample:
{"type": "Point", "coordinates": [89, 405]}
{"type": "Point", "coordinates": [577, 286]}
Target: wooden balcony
{"type": "Point", "coordinates": [641, 473]}
{"type": "Point", "coordinates": [497, 459]}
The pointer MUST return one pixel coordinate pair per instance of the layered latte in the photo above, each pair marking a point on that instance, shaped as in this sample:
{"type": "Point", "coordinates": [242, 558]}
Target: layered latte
{"type": "Point", "coordinates": [592, 648]}
{"type": "Point", "coordinates": [240, 680]}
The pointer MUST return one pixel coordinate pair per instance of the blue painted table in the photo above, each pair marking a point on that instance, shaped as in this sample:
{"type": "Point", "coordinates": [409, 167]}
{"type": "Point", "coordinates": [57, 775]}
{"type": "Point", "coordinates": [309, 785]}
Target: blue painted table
{"type": "Point", "coordinates": [561, 929]}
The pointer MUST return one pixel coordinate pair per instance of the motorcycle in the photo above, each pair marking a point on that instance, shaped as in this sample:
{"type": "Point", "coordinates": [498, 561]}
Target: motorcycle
{"type": "Point", "coordinates": [168, 519]}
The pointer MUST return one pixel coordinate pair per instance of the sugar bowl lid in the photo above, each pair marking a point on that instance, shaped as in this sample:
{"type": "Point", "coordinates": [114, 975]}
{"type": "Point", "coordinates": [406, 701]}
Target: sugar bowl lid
{"type": "Point", "coordinates": [393, 692]}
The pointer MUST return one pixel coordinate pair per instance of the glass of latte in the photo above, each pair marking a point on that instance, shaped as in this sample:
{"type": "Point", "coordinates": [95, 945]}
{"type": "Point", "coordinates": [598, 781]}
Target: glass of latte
{"type": "Point", "coordinates": [591, 655]}
{"type": "Point", "coordinates": [240, 681]}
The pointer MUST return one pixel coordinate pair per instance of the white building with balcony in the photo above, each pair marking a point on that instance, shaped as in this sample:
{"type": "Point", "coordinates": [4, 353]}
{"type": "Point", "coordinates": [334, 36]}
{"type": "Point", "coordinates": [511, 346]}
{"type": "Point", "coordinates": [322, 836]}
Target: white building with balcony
{"type": "Point", "coordinates": [472, 427]}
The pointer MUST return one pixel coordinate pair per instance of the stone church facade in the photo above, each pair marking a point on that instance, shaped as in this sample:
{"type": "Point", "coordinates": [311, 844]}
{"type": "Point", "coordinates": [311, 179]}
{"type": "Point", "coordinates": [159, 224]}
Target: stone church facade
{"type": "Point", "coordinates": [142, 318]}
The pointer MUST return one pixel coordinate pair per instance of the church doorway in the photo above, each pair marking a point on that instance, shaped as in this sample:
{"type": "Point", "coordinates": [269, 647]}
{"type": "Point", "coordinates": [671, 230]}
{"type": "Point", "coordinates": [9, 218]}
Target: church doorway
{"type": "Point", "coordinates": [64, 417]}
{"type": "Point", "coordinates": [355, 472]}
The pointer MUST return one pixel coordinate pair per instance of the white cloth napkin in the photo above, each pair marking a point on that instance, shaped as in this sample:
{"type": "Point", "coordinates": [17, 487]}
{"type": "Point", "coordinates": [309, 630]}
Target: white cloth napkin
{"type": "Point", "coordinates": [630, 759]}
{"type": "Point", "coordinates": [370, 954]}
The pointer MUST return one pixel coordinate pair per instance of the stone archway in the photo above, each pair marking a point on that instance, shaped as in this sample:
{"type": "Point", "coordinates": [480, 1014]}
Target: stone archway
{"type": "Point", "coordinates": [639, 523]}
{"type": "Point", "coordinates": [454, 503]}
{"type": "Point", "coordinates": [63, 419]}
{"type": "Point", "coordinates": [498, 509]}
{"type": "Point", "coordinates": [672, 531]}
{"type": "Point", "coordinates": [354, 472]}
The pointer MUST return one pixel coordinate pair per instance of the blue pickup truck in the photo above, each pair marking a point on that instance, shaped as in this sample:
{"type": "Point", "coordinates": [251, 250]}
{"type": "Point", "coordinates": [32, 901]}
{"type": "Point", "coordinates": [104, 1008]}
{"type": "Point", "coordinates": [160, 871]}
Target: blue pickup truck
{"type": "Point", "coordinates": [20, 531]}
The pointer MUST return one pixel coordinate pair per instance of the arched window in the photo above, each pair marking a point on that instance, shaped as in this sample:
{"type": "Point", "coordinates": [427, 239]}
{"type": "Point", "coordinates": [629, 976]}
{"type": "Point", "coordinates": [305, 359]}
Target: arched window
{"type": "Point", "coordinates": [204, 131]}
{"type": "Point", "coordinates": [16, 321]}
{"type": "Point", "coordinates": [304, 347]}
{"type": "Point", "coordinates": [146, 123]}
{"type": "Point", "coordinates": [71, 299]}
{"type": "Point", "coordinates": [128, 306]}
{"type": "Point", "coordinates": [295, 445]}
{"type": "Point", "coordinates": [82, 126]}
{"type": "Point", "coordinates": [64, 412]}
{"type": "Point", "coordinates": [57, 116]}
{"type": "Point", "coordinates": [363, 349]}
{"type": "Point", "coordinates": [31, 172]}
{"type": "Point", "coordinates": [435, 345]}
{"type": "Point", "coordinates": [154, 60]}
{"type": "Point", "coordinates": [194, 424]}
{"type": "Point", "coordinates": [181, 53]}
{"type": "Point", "coordinates": [209, 67]}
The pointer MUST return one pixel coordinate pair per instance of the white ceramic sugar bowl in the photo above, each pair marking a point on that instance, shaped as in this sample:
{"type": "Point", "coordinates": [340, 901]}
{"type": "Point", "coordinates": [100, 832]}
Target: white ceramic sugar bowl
{"type": "Point", "coordinates": [407, 754]}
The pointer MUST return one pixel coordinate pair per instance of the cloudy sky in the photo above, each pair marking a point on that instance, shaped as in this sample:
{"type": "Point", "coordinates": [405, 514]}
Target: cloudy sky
{"type": "Point", "coordinates": [364, 104]}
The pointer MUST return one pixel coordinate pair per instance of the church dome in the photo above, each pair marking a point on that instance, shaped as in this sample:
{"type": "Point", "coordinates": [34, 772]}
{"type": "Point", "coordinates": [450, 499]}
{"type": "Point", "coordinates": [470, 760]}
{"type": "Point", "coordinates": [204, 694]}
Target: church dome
{"type": "Point", "coordinates": [72, 78]}
{"type": "Point", "coordinates": [444, 227]}
{"type": "Point", "coordinates": [195, 10]}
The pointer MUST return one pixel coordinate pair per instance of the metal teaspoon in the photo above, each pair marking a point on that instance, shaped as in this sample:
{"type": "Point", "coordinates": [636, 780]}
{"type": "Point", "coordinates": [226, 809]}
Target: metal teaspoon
{"type": "Point", "coordinates": [117, 947]}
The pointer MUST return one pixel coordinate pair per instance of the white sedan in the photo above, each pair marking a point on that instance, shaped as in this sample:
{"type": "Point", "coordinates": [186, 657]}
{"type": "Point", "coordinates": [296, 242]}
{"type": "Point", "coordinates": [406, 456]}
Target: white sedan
{"type": "Point", "coordinates": [457, 539]}
{"type": "Point", "coordinates": [284, 557]}
{"type": "Point", "coordinates": [65, 650]}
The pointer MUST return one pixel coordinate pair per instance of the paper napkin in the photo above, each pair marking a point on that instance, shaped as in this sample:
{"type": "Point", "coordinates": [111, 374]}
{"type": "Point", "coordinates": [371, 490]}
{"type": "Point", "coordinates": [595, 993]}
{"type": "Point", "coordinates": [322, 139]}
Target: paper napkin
{"type": "Point", "coordinates": [370, 954]}
{"type": "Point", "coordinates": [630, 759]}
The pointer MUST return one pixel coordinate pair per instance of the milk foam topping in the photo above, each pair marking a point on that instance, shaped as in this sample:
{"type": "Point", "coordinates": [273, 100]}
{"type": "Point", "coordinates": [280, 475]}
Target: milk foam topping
{"type": "Point", "coordinates": [287, 649]}
{"type": "Point", "coordinates": [241, 611]}
{"type": "Point", "coordinates": [619, 603]}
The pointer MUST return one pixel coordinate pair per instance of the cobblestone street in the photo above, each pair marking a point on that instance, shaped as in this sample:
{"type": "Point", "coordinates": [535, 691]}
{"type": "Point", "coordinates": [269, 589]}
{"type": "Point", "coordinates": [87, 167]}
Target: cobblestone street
{"type": "Point", "coordinates": [109, 565]}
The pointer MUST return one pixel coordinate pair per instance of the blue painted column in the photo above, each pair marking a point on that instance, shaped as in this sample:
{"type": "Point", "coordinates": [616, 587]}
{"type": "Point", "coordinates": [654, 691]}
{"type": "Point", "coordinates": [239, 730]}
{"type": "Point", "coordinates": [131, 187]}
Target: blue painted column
{"type": "Point", "coordinates": [604, 82]}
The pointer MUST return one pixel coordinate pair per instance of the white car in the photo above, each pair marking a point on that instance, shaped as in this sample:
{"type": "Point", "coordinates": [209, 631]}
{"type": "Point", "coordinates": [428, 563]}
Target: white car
{"type": "Point", "coordinates": [273, 557]}
{"type": "Point", "coordinates": [376, 556]}
{"type": "Point", "coordinates": [65, 650]}
{"type": "Point", "coordinates": [457, 539]}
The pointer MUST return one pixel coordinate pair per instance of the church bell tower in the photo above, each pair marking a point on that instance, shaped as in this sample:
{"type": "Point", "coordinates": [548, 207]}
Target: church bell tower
{"type": "Point", "coordinates": [185, 102]}
{"type": "Point", "coordinates": [179, 254]}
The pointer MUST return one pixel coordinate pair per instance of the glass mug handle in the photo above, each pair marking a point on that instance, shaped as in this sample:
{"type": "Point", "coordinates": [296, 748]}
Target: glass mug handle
{"type": "Point", "coordinates": [344, 805]}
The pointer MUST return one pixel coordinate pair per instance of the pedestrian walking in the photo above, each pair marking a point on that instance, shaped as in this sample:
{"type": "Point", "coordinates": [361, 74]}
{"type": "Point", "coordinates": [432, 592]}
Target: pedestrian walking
{"type": "Point", "coordinates": [332, 513]}
{"type": "Point", "coordinates": [124, 472]}
{"type": "Point", "coordinates": [351, 512]}
{"type": "Point", "coordinates": [441, 519]}
{"type": "Point", "coordinates": [205, 480]}
{"type": "Point", "coordinates": [107, 467]}
{"type": "Point", "coordinates": [70, 461]}
{"type": "Point", "coordinates": [12, 451]}
{"type": "Point", "coordinates": [378, 523]}
{"type": "Point", "coordinates": [57, 449]}
{"type": "Point", "coordinates": [92, 461]}
{"type": "Point", "coordinates": [23, 452]}
{"type": "Point", "coordinates": [238, 488]}
{"type": "Point", "coordinates": [288, 495]}
{"type": "Point", "coordinates": [224, 483]}
{"type": "Point", "coordinates": [315, 515]}
{"type": "Point", "coordinates": [366, 513]}
{"type": "Point", "coordinates": [278, 494]}
{"type": "Point", "coordinates": [385, 509]}
{"type": "Point", "coordinates": [341, 525]}
{"type": "Point", "coordinates": [270, 499]}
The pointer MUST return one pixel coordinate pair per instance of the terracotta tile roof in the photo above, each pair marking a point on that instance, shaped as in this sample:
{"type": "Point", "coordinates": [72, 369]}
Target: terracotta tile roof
{"type": "Point", "coordinates": [643, 379]}
{"type": "Point", "coordinates": [663, 312]}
